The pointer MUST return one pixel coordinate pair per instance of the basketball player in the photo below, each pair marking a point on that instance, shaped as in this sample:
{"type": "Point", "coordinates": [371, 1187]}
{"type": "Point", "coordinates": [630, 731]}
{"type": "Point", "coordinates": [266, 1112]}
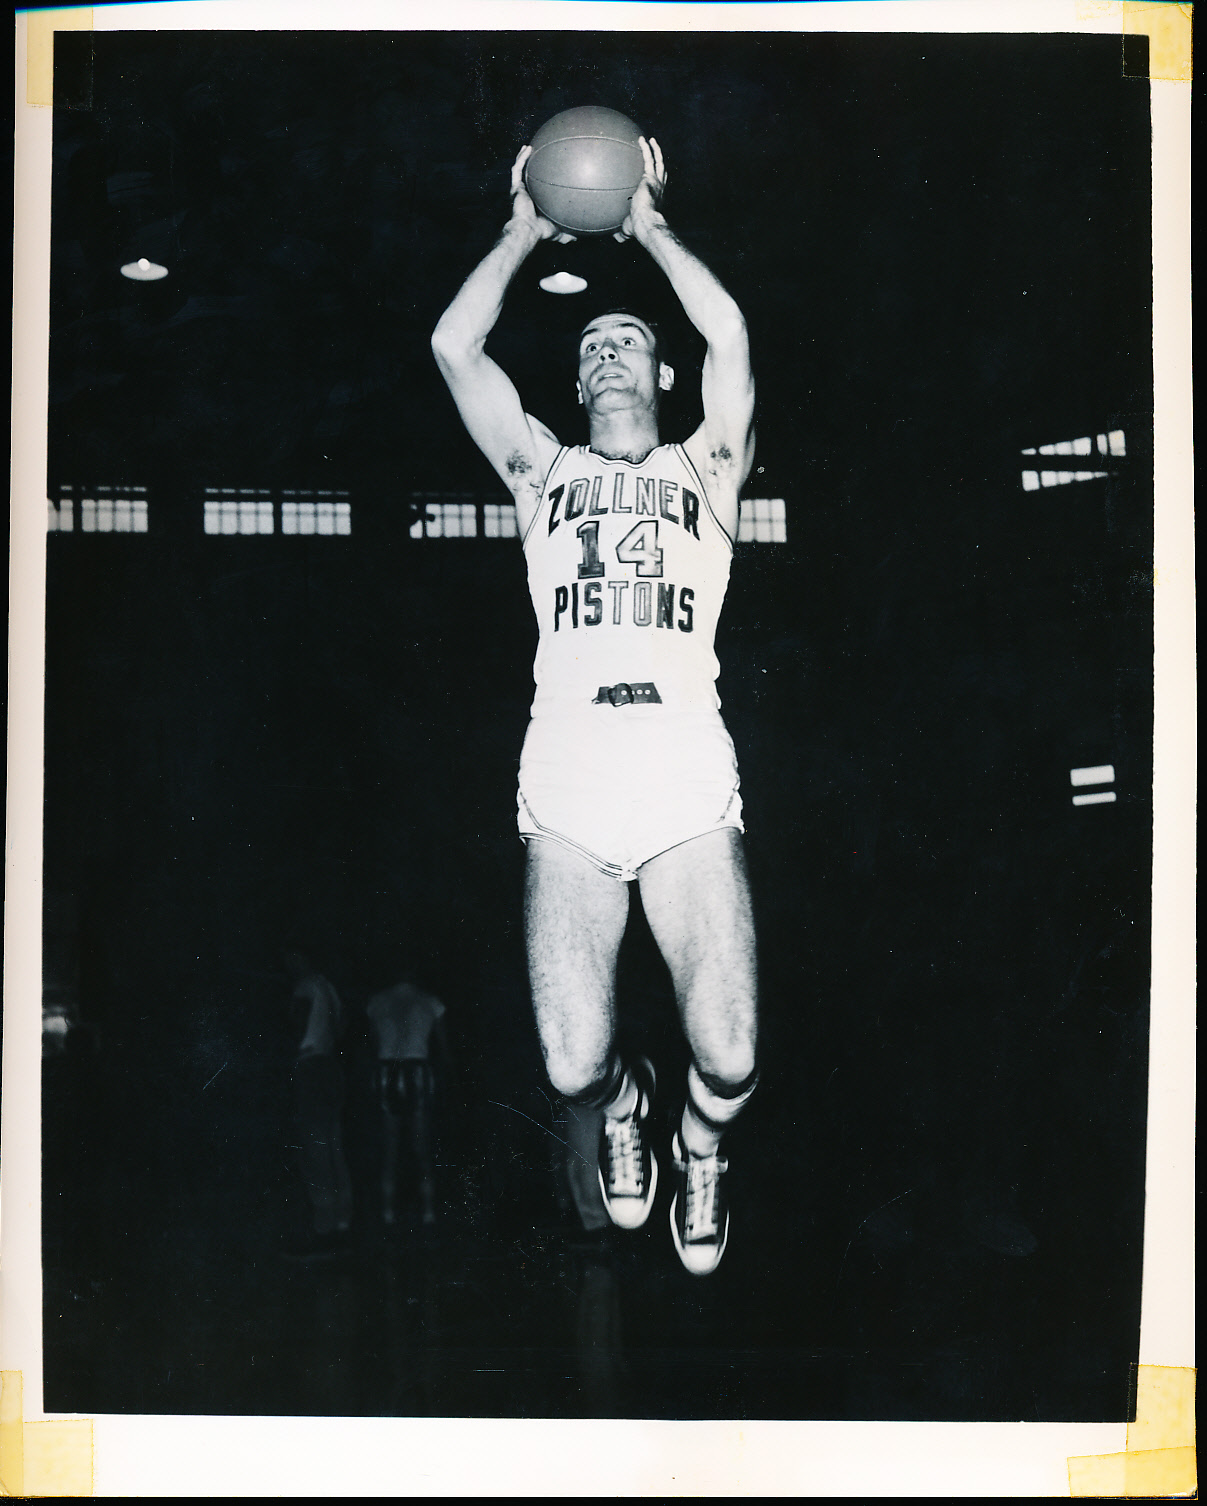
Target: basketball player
{"type": "Point", "coordinates": [627, 771]}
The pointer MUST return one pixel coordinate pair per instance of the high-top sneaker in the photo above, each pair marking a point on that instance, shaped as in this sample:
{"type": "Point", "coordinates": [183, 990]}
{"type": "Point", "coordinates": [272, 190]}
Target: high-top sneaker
{"type": "Point", "coordinates": [699, 1210]}
{"type": "Point", "coordinates": [628, 1172]}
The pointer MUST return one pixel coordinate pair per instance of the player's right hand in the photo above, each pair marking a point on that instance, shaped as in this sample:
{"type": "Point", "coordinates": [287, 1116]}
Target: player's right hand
{"type": "Point", "coordinates": [645, 207]}
{"type": "Point", "coordinates": [524, 211]}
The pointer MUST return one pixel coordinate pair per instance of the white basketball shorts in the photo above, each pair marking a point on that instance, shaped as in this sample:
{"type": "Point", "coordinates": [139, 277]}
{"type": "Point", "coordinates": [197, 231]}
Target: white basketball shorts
{"type": "Point", "coordinates": [621, 784]}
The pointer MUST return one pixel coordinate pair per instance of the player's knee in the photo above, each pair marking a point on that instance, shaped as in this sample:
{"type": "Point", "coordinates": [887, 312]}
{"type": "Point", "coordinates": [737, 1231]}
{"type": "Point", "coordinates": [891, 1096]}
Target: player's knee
{"type": "Point", "coordinates": [729, 1072]}
{"type": "Point", "coordinates": [585, 1082]}
{"type": "Point", "coordinates": [571, 1081]}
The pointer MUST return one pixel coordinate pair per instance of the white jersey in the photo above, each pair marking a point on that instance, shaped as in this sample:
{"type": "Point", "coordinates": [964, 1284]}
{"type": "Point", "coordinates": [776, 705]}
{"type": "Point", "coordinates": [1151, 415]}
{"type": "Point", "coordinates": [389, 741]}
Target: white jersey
{"type": "Point", "coordinates": [627, 568]}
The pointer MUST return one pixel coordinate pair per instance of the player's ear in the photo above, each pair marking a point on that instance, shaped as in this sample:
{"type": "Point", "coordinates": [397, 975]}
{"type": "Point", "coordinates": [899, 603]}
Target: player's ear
{"type": "Point", "coordinates": [578, 387]}
{"type": "Point", "coordinates": [666, 377]}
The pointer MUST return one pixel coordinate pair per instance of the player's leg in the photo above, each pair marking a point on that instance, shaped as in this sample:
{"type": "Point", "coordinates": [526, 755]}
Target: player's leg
{"type": "Point", "coordinates": [575, 918]}
{"type": "Point", "coordinates": [697, 901]}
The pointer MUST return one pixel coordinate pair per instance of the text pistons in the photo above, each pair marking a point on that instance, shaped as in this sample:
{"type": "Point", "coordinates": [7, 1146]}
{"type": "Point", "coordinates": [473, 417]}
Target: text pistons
{"type": "Point", "coordinates": [642, 602]}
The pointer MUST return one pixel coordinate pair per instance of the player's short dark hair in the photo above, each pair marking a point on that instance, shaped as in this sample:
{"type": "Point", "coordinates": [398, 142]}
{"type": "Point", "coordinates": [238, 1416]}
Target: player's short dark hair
{"type": "Point", "coordinates": [661, 349]}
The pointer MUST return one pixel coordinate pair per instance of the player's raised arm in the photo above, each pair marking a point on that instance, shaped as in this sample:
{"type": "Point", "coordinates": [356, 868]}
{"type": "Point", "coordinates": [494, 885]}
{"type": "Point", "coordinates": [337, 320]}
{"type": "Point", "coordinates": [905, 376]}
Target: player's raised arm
{"type": "Point", "coordinates": [520, 448]}
{"type": "Point", "coordinates": [722, 450]}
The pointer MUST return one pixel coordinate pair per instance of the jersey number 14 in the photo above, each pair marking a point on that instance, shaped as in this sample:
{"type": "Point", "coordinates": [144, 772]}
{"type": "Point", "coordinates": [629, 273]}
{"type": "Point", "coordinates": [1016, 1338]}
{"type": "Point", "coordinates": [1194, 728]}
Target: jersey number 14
{"type": "Point", "coordinates": [638, 547]}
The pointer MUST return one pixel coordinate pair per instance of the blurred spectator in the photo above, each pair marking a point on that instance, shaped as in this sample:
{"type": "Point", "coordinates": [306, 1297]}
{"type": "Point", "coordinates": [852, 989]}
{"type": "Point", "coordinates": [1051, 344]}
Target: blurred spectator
{"type": "Point", "coordinates": [407, 1024]}
{"type": "Point", "coordinates": [318, 1106]}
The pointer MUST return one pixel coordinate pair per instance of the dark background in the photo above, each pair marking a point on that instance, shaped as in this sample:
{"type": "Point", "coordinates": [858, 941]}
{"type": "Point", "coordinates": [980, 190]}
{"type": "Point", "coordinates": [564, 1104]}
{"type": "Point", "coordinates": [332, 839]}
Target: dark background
{"type": "Point", "coordinates": [942, 247]}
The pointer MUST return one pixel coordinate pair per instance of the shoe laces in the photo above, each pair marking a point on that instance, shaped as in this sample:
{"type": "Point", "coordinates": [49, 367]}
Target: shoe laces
{"type": "Point", "coordinates": [702, 1204]}
{"type": "Point", "coordinates": [625, 1155]}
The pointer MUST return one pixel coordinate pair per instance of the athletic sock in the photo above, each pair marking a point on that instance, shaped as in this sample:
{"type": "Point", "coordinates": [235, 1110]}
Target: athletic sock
{"type": "Point", "coordinates": [625, 1102]}
{"type": "Point", "coordinates": [710, 1108]}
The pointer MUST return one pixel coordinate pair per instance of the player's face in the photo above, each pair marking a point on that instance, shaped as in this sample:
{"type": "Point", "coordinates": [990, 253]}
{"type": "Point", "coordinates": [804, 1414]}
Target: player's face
{"type": "Point", "coordinates": [618, 363]}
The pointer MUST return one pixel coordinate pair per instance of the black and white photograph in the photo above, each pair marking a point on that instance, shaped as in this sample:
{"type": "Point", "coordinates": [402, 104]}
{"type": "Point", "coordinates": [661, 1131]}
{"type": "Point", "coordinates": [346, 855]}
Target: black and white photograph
{"type": "Point", "coordinates": [597, 829]}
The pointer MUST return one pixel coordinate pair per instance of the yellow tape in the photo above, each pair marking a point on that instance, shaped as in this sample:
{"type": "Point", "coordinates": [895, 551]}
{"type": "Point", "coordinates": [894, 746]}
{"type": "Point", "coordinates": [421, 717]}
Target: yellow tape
{"type": "Point", "coordinates": [41, 1458]}
{"type": "Point", "coordinates": [1169, 30]}
{"type": "Point", "coordinates": [1161, 1458]}
{"type": "Point", "coordinates": [12, 1444]}
{"type": "Point", "coordinates": [41, 26]}
{"type": "Point", "coordinates": [1164, 1408]}
{"type": "Point", "coordinates": [58, 1458]}
{"type": "Point", "coordinates": [1167, 26]}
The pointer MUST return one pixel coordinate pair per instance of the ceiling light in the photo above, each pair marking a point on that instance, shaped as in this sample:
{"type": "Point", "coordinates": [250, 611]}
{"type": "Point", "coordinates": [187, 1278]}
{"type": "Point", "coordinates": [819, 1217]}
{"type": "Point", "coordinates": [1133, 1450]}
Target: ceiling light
{"type": "Point", "coordinates": [563, 282]}
{"type": "Point", "coordinates": [143, 270]}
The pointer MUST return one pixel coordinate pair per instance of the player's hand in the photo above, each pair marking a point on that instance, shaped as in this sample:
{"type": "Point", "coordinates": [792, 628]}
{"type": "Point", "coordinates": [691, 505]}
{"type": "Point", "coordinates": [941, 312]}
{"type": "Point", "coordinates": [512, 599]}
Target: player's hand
{"type": "Point", "coordinates": [645, 207]}
{"type": "Point", "coordinates": [524, 212]}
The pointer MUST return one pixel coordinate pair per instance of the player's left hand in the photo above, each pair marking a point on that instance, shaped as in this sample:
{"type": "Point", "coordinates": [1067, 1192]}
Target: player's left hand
{"type": "Point", "coordinates": [645, 207]}
{"type": "Point", "coordinates": [524, 211]}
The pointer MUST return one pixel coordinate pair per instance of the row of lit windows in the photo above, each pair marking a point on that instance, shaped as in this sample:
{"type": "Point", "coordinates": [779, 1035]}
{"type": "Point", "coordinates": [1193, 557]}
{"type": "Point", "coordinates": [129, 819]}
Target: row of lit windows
{"type": "Point", "coordinates": [232, 510]}
{"type": "Point", "coordinates": [316, 517]}
{"type": "Point", "coordinates": [98, 515]}
{"type": "Point", "coordinates": [107, 509]}
{"type": "Point", "coordinates": [244, 516]}
{"type": "Point", "coordinates": [763, 520]}
{"type": "Point", "coordinates": [459, 520]}
{"type": "Point", "coordinates": [247, 516]}
{"type": "Point", "coordinates": [498, 520]}
{"type": "Point", "coordinates": [1112, 444]}
{"type": "Point", "coordinates": [1099, 773]}
{"type": "Point", "coordinates": [448, 519]}
{"type": "Point", "coordinates": [1033, 480]}
{"type": "Point", "coordinates": [235, 510]}
{"type": "Point", "coordinates": [451, 515]}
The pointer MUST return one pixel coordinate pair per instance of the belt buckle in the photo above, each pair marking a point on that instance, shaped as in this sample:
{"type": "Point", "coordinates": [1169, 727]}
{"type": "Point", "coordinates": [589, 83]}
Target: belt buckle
{"type": "Point", "coordinates": [624, 694]}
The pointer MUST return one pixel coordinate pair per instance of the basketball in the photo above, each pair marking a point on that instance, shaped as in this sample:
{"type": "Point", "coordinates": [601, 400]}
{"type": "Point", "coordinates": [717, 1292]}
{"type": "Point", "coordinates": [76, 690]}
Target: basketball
{"type": "Point", "coordinates": [584, 167]}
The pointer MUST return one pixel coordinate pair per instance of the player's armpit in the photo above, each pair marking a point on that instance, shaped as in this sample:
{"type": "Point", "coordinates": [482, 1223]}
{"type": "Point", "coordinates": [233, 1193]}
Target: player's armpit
{"type": "Point", "coordinates": [722, 451]}
{"type": "Point", "coordinates": [528, 481]}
